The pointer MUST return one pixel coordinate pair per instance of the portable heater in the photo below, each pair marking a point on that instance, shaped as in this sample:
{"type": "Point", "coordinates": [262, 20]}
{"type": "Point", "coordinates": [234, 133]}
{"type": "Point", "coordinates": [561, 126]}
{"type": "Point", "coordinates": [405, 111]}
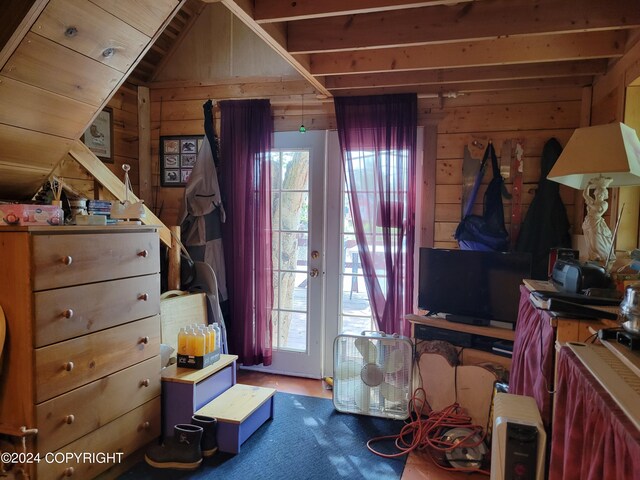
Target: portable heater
{"type": "Point", "coordinates": [518, 440]}
{"type": "Point", "coordinates": [372, 374]}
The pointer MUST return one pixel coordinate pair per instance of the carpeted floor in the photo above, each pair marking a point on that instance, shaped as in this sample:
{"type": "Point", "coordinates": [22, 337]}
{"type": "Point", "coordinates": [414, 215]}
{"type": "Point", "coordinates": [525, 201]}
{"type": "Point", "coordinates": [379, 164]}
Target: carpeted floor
{"type": "Point", "coordinates": [306, 440]}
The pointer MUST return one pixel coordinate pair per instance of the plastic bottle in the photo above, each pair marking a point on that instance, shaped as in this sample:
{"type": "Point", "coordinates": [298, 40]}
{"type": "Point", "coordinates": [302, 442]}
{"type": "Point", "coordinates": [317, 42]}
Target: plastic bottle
{"type": "Point", "coordinates": [200, 343]}
{"type": "Point", "coordinates": [191, 341]}
{"type": "Point", "coordinates": [218, 337]}
{"type": "Point", "coordinates": [182, 342]}
{"type": "Point", "coordinates": [211, 338]}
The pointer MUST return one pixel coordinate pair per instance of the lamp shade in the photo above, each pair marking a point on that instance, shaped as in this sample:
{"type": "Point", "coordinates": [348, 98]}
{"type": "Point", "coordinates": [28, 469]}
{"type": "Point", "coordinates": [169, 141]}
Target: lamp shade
{"type": "Point", "coordinates": [611, 150]}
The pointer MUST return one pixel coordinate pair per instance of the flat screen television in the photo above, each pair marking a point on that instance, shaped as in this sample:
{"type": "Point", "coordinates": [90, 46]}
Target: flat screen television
{"type": "Point", "coordinates": [472, 286]}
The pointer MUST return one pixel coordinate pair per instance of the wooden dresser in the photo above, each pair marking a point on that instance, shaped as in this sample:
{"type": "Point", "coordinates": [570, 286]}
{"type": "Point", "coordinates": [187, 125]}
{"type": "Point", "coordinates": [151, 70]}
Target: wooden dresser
{"type": "Point", "coordinates": [81, 362]}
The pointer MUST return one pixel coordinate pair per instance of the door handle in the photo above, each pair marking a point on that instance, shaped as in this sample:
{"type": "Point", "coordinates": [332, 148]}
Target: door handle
{"type": "Point", "coordinates": [313, 273]}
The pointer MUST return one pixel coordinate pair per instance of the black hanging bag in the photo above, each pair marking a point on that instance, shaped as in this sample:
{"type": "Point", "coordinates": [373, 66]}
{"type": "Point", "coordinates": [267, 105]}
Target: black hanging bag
{"type": "Point", "coordinates": [486, 232]}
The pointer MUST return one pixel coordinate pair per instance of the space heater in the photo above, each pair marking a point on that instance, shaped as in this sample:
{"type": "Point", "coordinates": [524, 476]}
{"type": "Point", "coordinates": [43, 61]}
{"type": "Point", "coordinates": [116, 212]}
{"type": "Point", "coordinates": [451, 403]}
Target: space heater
{"type": "Point", "coordinates": [518, 439]}
{"type": "Point", "coordinates": [372, 374]}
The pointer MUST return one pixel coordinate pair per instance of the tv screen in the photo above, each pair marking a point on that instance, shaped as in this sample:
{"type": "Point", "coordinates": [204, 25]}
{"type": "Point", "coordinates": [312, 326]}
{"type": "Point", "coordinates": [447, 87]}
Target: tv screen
{"type": "Point", "coordinates": [479, 285]}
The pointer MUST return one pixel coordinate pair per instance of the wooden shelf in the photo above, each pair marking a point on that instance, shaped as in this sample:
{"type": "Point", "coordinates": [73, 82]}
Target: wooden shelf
{"type": "Point", "coordinates": [493, 332]}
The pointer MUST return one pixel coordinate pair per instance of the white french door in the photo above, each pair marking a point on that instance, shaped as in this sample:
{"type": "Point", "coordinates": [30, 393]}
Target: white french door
{"type": "Point", "coordinates": [297, 208]}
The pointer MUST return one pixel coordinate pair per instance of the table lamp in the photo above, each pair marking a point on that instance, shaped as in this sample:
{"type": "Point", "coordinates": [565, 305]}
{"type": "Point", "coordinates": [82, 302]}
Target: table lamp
{"type": "Point", "coordinates": [594, 159]}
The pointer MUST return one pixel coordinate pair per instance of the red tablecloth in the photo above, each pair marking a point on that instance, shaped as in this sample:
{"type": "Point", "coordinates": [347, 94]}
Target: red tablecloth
{"type": "Point", "coordinates": [592, 437]}
{"type": "Point", "coordinates": [533, 356]}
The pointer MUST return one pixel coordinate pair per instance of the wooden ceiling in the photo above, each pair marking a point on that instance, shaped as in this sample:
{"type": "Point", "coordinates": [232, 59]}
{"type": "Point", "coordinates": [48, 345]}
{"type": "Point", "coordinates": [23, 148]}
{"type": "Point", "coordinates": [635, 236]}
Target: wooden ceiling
{"type": "Point", "coordinates": [443, 47]}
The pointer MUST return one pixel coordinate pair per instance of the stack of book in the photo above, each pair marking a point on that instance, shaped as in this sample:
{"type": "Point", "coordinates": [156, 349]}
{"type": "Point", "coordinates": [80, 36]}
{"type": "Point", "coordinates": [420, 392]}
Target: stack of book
{"type": "Point", "coordinates": [98, 207]}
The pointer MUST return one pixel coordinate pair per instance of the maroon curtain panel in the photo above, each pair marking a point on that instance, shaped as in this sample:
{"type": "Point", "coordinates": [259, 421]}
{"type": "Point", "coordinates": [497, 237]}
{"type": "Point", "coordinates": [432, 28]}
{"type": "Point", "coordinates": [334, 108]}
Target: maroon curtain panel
{"type": "Point", "coordinates": [533, 353]}
{"type": "Point", "coordinates": [592, 438]}
{"type": "Point", "coordinates": [378, 136]}
{"type": "Point", "coordinates": [246, 135]}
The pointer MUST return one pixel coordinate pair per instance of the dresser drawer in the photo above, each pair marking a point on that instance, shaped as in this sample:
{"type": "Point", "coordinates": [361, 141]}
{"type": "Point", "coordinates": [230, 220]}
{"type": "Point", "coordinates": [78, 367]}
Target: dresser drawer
{"type": "Point", "coordinates": [67, 365]}
{"type": "Point", "coordinates": [73, 311]}
{"type": "Point", "coordinates": [65, 260]}
{"type": "Point", "coordinates": [67, 417]}
{"type": "Point", "coordinates": [124, 435]}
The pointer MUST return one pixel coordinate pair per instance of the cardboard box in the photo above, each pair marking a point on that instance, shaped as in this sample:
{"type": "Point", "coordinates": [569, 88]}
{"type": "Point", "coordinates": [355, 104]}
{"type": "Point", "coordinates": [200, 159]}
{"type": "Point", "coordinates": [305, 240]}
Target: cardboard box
{"type": "Point", "coordinates": [189, 361]}
{"type": "Point", "coordinates": [28, 215]}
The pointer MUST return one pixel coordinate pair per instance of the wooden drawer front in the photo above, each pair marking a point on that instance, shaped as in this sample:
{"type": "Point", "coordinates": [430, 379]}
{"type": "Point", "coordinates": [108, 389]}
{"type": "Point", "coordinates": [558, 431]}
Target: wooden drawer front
{"type": "Point", "coordinates": [65, 260]}
{"type": "Point", "coordinates": [67, 417]}
{"type": "Point", "coordinates": [125, 434]}
{"type": "Point", "coordinates": [67, 365]}
{"type": "Point", "coordinates": [73, 311]}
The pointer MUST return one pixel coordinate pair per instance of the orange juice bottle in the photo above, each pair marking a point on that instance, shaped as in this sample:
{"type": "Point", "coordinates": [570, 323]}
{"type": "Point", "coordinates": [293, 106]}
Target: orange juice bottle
{"type": "Point", "coordinates": [182, 342]}
{"type": "Point", "coordinates": [211, 338]}
{"type": "Point", "coordinates": [200, 343]}
{"type": "Point", "coordinates": [191, 341]}
{"type": "Point", "coordinates": [205, 332]}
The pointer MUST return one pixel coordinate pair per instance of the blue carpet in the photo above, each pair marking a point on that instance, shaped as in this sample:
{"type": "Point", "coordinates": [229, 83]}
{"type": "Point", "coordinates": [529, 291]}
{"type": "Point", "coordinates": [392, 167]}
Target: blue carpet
{"type": "Point", "coordinates": [306, 440]}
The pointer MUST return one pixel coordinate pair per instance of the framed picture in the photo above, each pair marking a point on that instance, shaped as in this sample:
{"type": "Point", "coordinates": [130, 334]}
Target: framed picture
{"type": "Point", "coordinates": [177, 158]}
{"type": "Point", "coordinates": [99, 136]}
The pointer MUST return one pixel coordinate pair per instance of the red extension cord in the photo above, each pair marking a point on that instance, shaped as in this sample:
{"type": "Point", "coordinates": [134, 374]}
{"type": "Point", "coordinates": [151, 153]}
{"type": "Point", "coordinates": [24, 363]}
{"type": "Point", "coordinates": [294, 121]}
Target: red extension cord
{"type": "Point", "coordinates": [426, 432]}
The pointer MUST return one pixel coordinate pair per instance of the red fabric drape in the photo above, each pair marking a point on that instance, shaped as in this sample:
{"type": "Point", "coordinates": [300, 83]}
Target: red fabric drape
{"type": "Point", "coordinates": [533, 354]}
{"type": "Point", "coordinates": [378, 137]}
{"type": "Point", "coordinates": [592, 437]}
{"type": "Point", "coordinates": [245, 144]}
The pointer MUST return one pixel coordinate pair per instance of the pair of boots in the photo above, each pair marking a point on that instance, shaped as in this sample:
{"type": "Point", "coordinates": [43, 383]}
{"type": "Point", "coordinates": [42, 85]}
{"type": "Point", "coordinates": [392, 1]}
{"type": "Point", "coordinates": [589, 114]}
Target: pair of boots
{"type": "Point", "coordinates": [190, 442]}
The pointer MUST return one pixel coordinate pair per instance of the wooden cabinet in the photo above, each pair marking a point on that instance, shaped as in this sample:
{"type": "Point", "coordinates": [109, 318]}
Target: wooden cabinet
{"type": "Point", "coordinates": [81, 363]}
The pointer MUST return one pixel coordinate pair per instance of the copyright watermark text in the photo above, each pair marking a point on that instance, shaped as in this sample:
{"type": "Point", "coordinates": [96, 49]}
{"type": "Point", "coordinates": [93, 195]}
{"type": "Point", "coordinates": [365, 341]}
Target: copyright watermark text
{"type": "Point", "coordinates": [60, 457]}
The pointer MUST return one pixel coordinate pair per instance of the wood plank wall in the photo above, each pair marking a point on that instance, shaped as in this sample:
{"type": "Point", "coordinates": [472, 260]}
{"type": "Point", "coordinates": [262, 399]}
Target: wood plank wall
{"type": "Point", "coordinates": [531, 116]}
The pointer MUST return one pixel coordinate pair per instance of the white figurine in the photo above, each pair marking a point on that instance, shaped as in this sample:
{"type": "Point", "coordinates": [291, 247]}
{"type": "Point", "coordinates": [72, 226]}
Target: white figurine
{"type": "Point", "coordinates": [596, 231]}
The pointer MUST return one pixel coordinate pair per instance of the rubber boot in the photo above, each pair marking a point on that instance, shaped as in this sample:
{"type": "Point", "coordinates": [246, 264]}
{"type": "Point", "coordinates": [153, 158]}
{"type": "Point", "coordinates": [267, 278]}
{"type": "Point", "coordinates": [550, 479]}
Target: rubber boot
{"type": "Point", "coordinates": [182, 451]}
{"type": "Point", "coordinates": [209, 425]}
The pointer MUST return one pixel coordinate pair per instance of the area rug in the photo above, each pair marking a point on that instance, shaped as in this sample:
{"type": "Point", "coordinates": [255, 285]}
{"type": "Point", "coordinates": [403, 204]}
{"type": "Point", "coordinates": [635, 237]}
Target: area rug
{"type": "Point", "coordinates": [306, 440]}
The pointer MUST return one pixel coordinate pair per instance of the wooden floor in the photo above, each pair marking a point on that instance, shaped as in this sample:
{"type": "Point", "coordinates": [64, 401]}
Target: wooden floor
{"type": "Point", "coordinates": [418, 467]}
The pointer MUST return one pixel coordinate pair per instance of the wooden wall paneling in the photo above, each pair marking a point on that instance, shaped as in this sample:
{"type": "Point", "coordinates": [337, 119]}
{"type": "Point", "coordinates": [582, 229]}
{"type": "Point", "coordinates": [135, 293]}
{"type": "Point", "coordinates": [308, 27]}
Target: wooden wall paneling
{"type": "Point", "coordinates": [36, 109]}
{"type": "Point", "coordinates": [97, 31]}
{"type": "Point", "coordinates": [17, 18]}
{"type": "Point", "coordinates": [512, 117]}
{"type": "Point", "coordinates": [250, 88]}
{"type": "Point", "coordinates": [428, 190]}
{"type": "Point", "coordinates": [143, 15]}
{"type": "Point", "coordinates": [500, 97]}
{"type": "Point", "coordinates": [144, 144]}
{"type": "Point", "coordinates": [50, 66]}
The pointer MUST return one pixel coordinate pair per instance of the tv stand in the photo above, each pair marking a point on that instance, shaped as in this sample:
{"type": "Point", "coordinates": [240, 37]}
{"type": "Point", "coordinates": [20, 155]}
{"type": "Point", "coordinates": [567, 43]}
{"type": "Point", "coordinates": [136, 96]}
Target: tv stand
{"type": "Point", "coordinates": [482, 322]}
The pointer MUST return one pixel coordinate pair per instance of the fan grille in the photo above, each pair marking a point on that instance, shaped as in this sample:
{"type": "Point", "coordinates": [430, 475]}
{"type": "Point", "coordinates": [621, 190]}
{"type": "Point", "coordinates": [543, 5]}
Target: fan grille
{"type": "Point", "coordinates": [372, 375]}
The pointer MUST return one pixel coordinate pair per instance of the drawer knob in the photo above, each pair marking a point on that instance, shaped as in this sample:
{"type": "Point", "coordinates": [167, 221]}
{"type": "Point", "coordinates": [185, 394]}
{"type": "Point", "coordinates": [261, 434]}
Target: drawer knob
{"type": "Point", "coordinates": [145, 383]}
{"type": "Point", "coordinates": [69, 366]}
{"type": "Point", "coordinates": [68, 260]}
{"type": "Point", "coordinates": [143, 254]}
{"type": "Point", "coordinates": [71, 32]}
{"type": "Point", "coordinates": [143, 296]}
{"type": "Point", "coordinates": [146, 425]}
{"type": "Point", "coordinates": [67, 313]}
{"type": "Point", "coordinates": [144, 340]}
{"type": "Point", "coordinates": [69, 419]}
{"type": "Point", "coordinates": [68, 471]}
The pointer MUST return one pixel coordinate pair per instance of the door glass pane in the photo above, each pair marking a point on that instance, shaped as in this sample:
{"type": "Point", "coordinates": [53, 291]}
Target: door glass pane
{"type": "Point", "coordinates": [290, 223]}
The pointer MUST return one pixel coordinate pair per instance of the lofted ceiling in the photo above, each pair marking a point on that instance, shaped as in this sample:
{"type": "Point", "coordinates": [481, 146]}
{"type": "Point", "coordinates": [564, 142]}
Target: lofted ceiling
{"type": "Point", "coordinates": [443, 47]}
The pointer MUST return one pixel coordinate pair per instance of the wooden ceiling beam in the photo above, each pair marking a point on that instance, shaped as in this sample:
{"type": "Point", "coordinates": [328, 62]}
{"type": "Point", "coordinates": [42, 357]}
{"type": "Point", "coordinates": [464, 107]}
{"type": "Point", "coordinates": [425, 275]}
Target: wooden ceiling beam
{"type": "Point", "coordinates": [466, 21]}
{"type": "Point", "coordinates": [472, 74]}
{"type": "Point", "coordinates": [500, 51]}
{"type": "Point", "coordinates": [267, 11]}
{"type": "Point", "coordinates": [455, 89]}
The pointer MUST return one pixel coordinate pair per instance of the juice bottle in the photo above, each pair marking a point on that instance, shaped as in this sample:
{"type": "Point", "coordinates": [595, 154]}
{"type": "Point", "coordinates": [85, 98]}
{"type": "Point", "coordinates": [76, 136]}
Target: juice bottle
{"type": "Point", "coordinates": [211, 338]}
{"type": "Point", "coordinates": [182, 342]}
{"type": "Point", "coordinates": [207, 344]}
{"type": "Point", "coordinates": [200, 343]}
{"type": "Point", "coordinates": [191, 341]}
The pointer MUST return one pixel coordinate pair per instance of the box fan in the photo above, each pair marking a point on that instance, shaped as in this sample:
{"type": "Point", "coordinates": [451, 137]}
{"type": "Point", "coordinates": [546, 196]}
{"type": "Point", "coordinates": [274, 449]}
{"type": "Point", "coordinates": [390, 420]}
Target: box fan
{"type": "Point", "coordinates": [372, 374]}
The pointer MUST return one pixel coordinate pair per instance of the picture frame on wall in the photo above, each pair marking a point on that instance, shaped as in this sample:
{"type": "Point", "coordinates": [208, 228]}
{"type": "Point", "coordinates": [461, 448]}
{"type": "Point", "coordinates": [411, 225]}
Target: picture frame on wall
{"type": "Point", "coordinates": [99, 136]}
{"type": "Point", "coordinates": [178, 154]}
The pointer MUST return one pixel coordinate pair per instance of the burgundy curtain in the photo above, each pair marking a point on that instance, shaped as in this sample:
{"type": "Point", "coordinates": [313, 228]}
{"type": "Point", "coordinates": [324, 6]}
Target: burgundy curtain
{"type": "Point", "coordinates": [593, 439]}
{"type": "Point", "coordinates": [533, 355]}
{"type": "Point", "coordinates": [378, 143]}
{"type": "Point", "coordinates": [245, 144]}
